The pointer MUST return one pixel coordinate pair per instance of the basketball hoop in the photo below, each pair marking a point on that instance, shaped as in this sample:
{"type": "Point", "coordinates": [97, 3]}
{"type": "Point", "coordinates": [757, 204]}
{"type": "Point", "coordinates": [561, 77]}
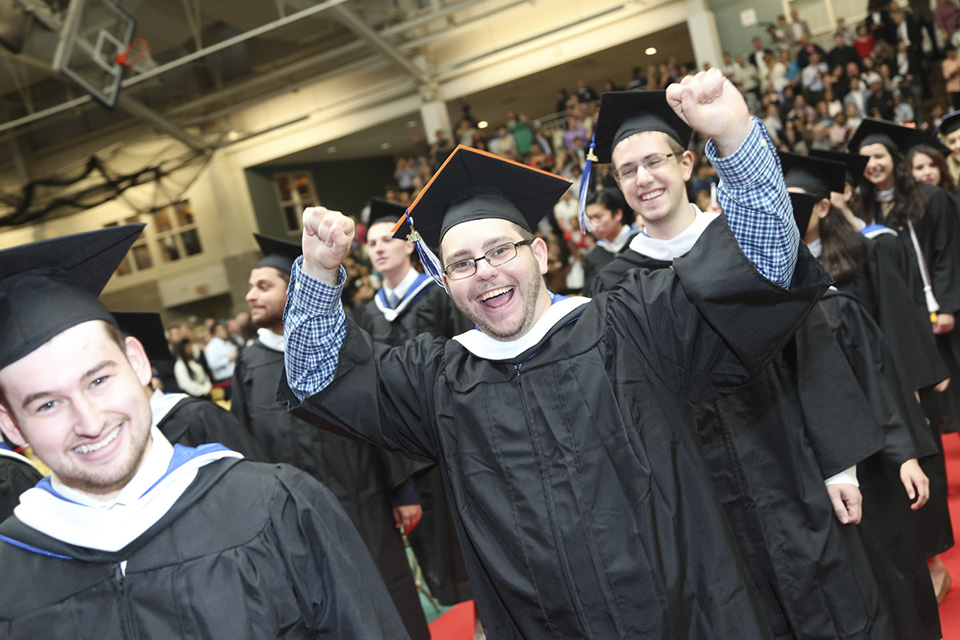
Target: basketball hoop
{"type": "Point", "coordinates": [133, 54]}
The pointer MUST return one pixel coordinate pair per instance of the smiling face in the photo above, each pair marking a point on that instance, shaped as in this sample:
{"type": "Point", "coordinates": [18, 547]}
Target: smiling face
{"type": "Point", "coordinates": [267, 297]}
{"type": "Point", "coordinates": [503, 301]}
{"type": "Point", "coordinates": [78, 400]}
{"type": "Point", "coordinates": [925, 169]}
{"type": "Point", "coordinates": [659, 195]}
{"type": "Point", "coordinates": [879, 169]}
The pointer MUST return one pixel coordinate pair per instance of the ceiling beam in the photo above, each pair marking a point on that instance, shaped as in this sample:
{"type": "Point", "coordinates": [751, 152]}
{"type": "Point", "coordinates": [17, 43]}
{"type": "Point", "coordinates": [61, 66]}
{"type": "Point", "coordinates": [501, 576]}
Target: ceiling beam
{"type": "Point", "coordinates": [362, 29]}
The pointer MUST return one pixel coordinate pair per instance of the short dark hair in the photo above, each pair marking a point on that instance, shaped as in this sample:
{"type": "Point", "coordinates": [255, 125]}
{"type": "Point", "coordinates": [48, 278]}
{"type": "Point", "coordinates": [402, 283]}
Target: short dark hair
{"type": "Point", "coordinates": [612, 200]}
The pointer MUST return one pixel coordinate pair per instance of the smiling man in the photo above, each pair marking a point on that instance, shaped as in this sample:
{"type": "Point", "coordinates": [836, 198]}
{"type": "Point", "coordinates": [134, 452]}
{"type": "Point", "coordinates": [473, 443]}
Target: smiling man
{"type": "Point", "coordinates": [131, 536]}
{"type": "Point", "coordinates": [583, 505]}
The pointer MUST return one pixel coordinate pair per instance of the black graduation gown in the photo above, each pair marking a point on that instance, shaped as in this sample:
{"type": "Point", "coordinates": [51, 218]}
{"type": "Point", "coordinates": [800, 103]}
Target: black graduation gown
{"type": "Point", "coordinates": [594, 262]}
{"type": "Point", "coordinates": [938, 234]}
{"type": "Point", "coordinates": [769, 446]}
{"type": "Point", "coordinates": [889, 528]}
{"type": "Point", "coordinates": [583, 505]}
{"type": "Point", "coordinates": [358, 474]}
{"type": "Point", "coordinates": [434, 541]}
{"type": "Point", "coordinates": [249, 551]}
{"type": "Point", "coordinates": [16, 476]}
{"type": "Point", "coordinates": [195, 421]}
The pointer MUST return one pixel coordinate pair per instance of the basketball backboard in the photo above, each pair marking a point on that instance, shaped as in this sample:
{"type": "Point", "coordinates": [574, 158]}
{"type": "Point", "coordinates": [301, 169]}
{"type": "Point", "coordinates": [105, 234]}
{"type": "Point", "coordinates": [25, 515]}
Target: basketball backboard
{"type": "Point", "coordinates": [94, 32]}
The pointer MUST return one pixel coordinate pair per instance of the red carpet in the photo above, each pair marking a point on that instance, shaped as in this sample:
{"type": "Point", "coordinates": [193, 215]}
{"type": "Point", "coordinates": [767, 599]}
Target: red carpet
{"type": "Point", "coordinates": [457, 623]}
{"type": "Point", "coordinates": [950, 609]}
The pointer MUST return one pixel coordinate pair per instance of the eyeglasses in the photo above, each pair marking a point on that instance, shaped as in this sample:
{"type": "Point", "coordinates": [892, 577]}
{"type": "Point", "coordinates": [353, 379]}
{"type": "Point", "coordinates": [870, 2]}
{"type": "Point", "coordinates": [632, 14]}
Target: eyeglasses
{"type": "Point", "coordinates": [500, 254]}
{"type": "Point", "coordinates": [651, 163]}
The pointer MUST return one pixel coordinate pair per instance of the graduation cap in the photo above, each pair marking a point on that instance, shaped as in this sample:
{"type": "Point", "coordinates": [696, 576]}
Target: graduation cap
{"type": "Point", "coordinates": [803, 204]}
{"type": "Point", "coordinates": [816, 176]}
{"type": "Point", "coordinates": [855, 163]}
{"type": "Point", "coordinates": [476, 185]}
{"type": "Point", "coordinates": [891, 135]}
{"type": "Point", "coordinates": [147, 327]}
{"type": "Point", "coordinates": [949, 124]}
{"type": "Point", "coordinates": [928, 139]}
{"type": "Point", "coordinates": [624, 113]}
{"type": "Point", "coordinates": [278, 254]}
{"type": "Point", "coordinates": [49, 286]}
{"type": "Point", "coordinates": [386, 211]}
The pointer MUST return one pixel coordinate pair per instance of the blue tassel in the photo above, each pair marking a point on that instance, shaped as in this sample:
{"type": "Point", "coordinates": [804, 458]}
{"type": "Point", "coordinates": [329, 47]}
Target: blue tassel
{"type": "Point", "coordinates": [585, 226]}
{"type": "Point", "coordinates": [430, 262]}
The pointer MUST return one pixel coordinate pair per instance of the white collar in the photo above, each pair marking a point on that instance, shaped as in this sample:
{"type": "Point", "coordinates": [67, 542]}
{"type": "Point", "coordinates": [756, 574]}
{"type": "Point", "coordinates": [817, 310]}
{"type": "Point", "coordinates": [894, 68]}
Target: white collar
{"type": "Point", "coordinates": [614, 246]}
{"type": "Point", "coordinates": [75, 518]}
{"type": "Point", "coordinates": [271, 340]}
{"type": "Point", "coordinates": [816, 248]}
{"type": "Point", "coordinates": [405, 284]}
{"type": "Point", "coordinates": [483, 346]}
{"type": "Point", "coordinates": [420, 282]}
{"type": "Point", "coordinates": [162, 403]}
{"type": "Point", "coordinates": [668, 250]}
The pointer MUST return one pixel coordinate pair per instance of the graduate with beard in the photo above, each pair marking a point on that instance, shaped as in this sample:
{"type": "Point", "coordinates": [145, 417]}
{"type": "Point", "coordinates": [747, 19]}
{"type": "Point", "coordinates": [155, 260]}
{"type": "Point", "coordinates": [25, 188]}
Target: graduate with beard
{"type": "Point", "coordinates": [409, 304]}
{"type": "Point", "coordinates": [131, 536]}
{"type": "Point", "coordinates": [583, 504]}
{"type": "Point", "coordinates": [374, 488]}
{"type": "Point", "coordinates": [784, 471]}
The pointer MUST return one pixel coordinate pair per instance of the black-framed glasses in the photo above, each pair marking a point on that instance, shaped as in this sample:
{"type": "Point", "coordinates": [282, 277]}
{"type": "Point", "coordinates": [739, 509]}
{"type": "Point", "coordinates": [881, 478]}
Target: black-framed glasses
{"type": "Point", "coordinates": [651, 163]}
{"type": "Point", "coordinates": [500, 254]}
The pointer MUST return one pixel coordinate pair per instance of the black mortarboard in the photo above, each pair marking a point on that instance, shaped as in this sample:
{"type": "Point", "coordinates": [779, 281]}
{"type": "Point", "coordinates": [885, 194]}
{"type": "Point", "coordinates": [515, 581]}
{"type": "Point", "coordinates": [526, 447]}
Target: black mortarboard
{"type": "Point", "coordinates": [889, 134]}
{"type": "Point", "coordinates": [815, 176]}
{"type": "Point", "coordinates": [803, 204]}
{"type": "Point", "coordinates": [278, 254]}
{"type": "Point", "coordinates": [855, 163]}
{"type": "Point", "coordinates": [49, 286]}
{"type": "Point", "coordinates": [386, 211]}
{"type": "Point", "coordinates": [147, 327]}
{"type": "Point", "coordinates": [474, 185]}
{"type": "Point", "coordinates": [921, 137]}
{"type": "Point", "coordinates": [624, 113]}
{"type": "Point", "coordinates": [950, 123]}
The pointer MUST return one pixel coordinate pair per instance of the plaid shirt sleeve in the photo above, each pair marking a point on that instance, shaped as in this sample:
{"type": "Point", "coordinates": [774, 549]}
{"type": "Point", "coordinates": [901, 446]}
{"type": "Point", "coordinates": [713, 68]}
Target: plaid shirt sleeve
{"type": "Point", "coordinates": [314, 326]}
{"type": "Point", "coordinates": [755, 202]}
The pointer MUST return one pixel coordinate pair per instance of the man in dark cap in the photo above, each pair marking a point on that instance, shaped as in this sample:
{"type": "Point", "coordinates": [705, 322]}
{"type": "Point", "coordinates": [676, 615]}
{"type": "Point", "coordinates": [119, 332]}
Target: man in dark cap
{"type": "Point", "coordinates": [583, 504]}
{"type": "Point", "coordinates": [373, 488]}
{"type": "Point", "coordinates": [130, 535]}
{"type": "Point", "coordinates": [408, 304]}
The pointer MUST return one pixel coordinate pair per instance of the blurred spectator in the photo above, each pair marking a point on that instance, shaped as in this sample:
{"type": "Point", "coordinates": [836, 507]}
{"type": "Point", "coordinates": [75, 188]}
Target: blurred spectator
{"type": "Point", "coordinates": [854, 117]}
{"type": "Point", "coordinates": [585, 93]}
{"type": "Point", "coordinates": [812, 77]}
{"type": "Point", "coordinates": [951, 74]}
{"type": "Point", "coordinates": [522, 133]}
{"type": "Point", "coordinates": [844, 31]}
{"type": "Point", "coordinates": [864, 42]}
{"type": "Point", "coordinates": [746, 75]}
{"type": "Point", "coordinates": [834, 106]}
{"type": "Point", "coordinates": [464, 135]}
{"type": "Point", "coordinates": [638, 81]}
{"type": "Point", "coordinates": [406, 172]}
{"type": "Point", "coordinates": [793, 69]}
{"type": "Point", "coordinates": [840, 131]}
{"type": "Point", "coordinates": [798, 29]}
{"type": "Point", "coordinates": [902, 111]}
{"type": "Point", "coordinates": [945, 16]}
{"type": "Point", "coordinates": [757, 57]}
{"type": "Point", "coordinates": [808, 47]}
{"type": "Point", "coordinates": [857, 97]}
{"type": "Point", "coordinates": [842, 53]}
{"type": "Point", "coordinates": [190, 374]}
{"type": "Point", "coordinates": [574, 130]}
{"type": "Point", "coordinates": [880, 102]}
{"type": "Point", "coordinates": [728, 67]}
{"type": "Point", "coordinates": [775, 72]}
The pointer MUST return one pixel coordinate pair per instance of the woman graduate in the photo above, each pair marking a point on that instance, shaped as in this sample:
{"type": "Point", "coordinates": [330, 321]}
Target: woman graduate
{"type": "Point", "coordinates": [926, 223]}
{"type": "Point", "coordinates": [888, 528]}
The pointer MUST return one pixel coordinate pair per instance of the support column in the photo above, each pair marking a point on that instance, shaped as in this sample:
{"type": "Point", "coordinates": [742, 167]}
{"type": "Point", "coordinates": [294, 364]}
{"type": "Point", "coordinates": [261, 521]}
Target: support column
{"type": "Point", "coordinates": [704, 34]}
{"type": "Point", "coordinates": [435, 116]}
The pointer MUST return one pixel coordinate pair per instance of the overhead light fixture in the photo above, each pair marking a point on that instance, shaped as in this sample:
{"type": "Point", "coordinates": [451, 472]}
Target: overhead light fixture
{"type": "Point", "coordinates": [331, 149]}
{"type": "Point", "coordinates": [483, 124]}
{"type": "Point", "coordinates": [384, 145]}
{"type": "Point", "coordinates": [411, 124]}
{"type": "Point", "coordinates": [651, 51]}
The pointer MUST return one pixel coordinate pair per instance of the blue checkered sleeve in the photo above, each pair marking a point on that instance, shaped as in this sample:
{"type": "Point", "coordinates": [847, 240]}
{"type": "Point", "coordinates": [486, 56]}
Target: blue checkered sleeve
{"type": "Point", "coordinates": [756, 205]}
{"type": "Point", "coordinates": [314, 326]}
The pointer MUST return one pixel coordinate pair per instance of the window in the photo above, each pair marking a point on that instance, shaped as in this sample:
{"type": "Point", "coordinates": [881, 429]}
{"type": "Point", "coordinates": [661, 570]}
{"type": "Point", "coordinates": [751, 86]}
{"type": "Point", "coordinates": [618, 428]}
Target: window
{"type": "Point", "coordinates": [171, 234]}
{"type": "Point", "coordinates": [295, 193]}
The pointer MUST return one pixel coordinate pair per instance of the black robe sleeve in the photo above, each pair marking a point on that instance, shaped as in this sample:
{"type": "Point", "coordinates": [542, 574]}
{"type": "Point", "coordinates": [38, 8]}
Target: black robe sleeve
{"type": "Point", "coordinates": [898, 413]}
{"type": "Point", "coordinates": [717, 321]}
{"type": "Point", "coordinates": [939, 235]}
{"type": "Point", "coordinates": [15, 478]}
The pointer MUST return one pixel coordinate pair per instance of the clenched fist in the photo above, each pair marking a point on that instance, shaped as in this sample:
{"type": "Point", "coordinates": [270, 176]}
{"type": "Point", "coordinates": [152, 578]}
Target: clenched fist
{"type": "Point", "coordinates": [712, 106]}
{"type": "Point", "coordinates": [327, 237]}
